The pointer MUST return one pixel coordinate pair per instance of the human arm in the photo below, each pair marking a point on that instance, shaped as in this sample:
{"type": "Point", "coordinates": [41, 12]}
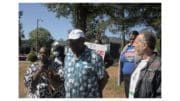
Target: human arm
{"type": "Point", "coordinates": [150, 87]}
{"type": "Point", "coordinates": [30, 75]}
{"type": "Point", "coordinates": [102, 83]}
{"type": "Point", "coordinates": [157, 84]}
{"type": "Point", "coordinates": [101, 74]}
{"type": "Point", "coordinates": [120, 72]}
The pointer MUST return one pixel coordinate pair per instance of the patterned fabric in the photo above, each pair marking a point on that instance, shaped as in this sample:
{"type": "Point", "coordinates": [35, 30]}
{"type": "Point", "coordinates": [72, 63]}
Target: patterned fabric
{"type": "Point", "coordinates": [58, 66]}
{"type": "Point", "coordinates": [82, 74]}
{"type": "Point", "coordinates": [42, 89]}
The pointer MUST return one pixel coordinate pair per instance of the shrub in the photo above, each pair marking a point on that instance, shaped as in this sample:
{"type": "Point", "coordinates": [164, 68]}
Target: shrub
{"type": "Point", "coordinates": [32, 56]}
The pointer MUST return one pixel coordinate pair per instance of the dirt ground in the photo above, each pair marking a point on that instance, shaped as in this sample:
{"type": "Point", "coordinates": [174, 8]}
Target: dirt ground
{"type": "Point", "coordinates": [22, 69]}
{"type": "Point", "coordinates": [111, 89]}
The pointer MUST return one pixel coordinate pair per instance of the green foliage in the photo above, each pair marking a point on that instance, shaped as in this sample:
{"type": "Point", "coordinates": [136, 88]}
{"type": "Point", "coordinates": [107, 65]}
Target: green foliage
{"type": "Point", "coordinates": [32, 56]}
{"type": "Point", "coordinates": [88, 17]}
{"type": "Point", "coordinates": [21, 32]}
{"type": "Point", "coordinates": [94, 19]}
{"type": "Point", "coordinates": [158, 45]}
{"type": "Point", "coordinates": [42, 36]}
{"type": "Point", "coordinates": [61, 10]}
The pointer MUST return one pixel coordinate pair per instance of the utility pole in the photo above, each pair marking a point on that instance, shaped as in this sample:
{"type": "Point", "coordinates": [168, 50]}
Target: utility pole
{"type": "Point", "coordinates": [37, 35]}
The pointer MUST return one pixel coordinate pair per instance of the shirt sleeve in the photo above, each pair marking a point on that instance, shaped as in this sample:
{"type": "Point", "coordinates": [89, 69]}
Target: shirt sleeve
{"type": "Point", "coordinates": [100, 69]}
{"type": "Point", "coordinates": [65, 66]}
{"type": "Point", "coordinates": [158, 84]}
{"type": "Point", "coordinates": [60, 71]}
{"type": "Point", "coordinates": [29, 76]}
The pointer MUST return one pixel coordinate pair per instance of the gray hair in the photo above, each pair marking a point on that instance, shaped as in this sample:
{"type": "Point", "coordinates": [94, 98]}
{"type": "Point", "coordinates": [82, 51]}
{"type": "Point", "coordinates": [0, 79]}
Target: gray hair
{"type": "Point", "coordinates": [149, 38]}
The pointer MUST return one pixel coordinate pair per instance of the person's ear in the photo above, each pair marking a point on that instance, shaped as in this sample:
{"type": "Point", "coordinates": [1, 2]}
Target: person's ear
{"type": "Point", "coordinates": [145, 46]}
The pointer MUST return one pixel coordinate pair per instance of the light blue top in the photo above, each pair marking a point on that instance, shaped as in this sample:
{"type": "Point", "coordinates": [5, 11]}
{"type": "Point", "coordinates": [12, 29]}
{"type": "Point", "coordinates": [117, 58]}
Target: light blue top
{"type": "Point", "coordinates": [128, 60]}
{"type": "Point", "coordinates": [82, 74]}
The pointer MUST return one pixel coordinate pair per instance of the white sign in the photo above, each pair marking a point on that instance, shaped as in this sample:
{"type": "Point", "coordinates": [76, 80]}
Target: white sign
{"type": "Point", "coordinates": [100, 49]}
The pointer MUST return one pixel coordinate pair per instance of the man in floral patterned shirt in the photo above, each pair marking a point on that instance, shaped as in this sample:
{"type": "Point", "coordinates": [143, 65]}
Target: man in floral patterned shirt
{"type": "Point", "coordinates": [84, 72]}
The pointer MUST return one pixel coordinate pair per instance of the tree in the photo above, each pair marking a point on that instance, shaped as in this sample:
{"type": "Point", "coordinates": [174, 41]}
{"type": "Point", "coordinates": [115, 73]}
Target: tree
{"type": "Point", "coordinates": [25, 47]}
{"type": "Point", "coordinates": [40, 37]}
{"type": "Point", "coordinates": [21, 32]}
{"type": "Point", "coordinates": [94, 19]}
{"type": "Point", "coordinates": [83, 15]}
{"type": "Point", "coordinates": [76, 11]}
{"type": "Point", "coordinates": [128, 15]}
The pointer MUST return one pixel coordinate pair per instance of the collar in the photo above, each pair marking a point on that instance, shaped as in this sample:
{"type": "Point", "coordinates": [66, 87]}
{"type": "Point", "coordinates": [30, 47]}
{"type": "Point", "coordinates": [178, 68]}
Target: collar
{"type": "Point", "coordinates": [130, 45]}
{"type": "Point", "coordinates": [151, 60]}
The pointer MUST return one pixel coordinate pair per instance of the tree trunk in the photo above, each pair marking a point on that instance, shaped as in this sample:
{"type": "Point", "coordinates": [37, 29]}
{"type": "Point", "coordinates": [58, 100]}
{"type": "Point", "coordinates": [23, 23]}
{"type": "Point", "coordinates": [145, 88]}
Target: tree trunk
{"type": "Point", "coordinates": [80, 17]}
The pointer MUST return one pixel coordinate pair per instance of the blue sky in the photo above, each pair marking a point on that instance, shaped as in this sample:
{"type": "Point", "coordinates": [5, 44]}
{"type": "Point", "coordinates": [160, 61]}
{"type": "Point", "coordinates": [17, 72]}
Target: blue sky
{"type": "Point", "coordinates": [58, 27]}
